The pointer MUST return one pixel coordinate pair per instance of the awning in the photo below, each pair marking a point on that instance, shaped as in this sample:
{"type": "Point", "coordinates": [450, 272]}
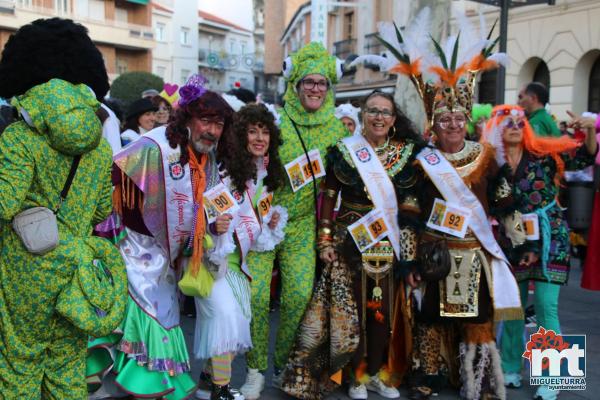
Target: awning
{"type": "Point", "coordinates": [139, 1]}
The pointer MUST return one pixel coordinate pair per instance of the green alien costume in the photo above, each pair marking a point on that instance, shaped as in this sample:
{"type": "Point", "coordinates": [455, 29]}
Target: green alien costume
{"type": "Point", "coordinates": [296, 253]}
{"type": "Point", "coordinates": [41, 353]}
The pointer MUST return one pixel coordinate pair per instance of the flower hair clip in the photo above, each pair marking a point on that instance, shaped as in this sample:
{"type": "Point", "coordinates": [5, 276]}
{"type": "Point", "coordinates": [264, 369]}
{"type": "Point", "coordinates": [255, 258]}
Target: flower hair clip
{"type": "Point", "coordinates": [193, 89]}
{"type": "Point", "coordinates": [510, 111]}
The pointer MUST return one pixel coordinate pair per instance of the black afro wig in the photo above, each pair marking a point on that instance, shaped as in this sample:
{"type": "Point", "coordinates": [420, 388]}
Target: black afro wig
{"type": "Point", "coordinates": [47, 49]}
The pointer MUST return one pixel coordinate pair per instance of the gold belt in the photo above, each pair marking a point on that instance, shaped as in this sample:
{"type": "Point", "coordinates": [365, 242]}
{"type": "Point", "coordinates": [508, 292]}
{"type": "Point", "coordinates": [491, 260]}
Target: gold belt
{"type": "Point", "coordinates": [469, 242]}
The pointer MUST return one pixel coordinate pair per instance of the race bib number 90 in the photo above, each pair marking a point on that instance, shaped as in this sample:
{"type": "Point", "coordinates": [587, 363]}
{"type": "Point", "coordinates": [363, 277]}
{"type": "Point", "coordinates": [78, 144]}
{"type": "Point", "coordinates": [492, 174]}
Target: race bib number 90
{"type": "Point", "coordinates": [218, 200]}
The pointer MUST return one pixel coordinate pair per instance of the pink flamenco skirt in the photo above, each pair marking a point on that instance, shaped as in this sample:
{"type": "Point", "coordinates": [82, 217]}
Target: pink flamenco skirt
{"type": "Point", "coordinates": [591, 271]}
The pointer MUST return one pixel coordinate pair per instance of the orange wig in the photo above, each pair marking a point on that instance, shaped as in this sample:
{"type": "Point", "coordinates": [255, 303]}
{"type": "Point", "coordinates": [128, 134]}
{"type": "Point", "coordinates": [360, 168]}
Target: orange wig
{"type": "Point", "coordinates": [534, 144]}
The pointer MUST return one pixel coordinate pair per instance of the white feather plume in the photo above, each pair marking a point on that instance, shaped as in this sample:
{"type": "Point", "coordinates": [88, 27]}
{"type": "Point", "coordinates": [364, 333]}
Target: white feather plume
{"type": "Point", "coordinates": [384, 63]}
{"type": "Point", "coordinates": [387, 31]}
{"type": "Point", "coordinates": [416, 35]}
{"type": "Point", "coordinates": [500, 58]}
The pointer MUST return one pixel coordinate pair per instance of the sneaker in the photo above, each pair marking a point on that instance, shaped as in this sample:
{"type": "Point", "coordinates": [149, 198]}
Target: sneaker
{"type": "Point", "coordinates": [204, 387]}
{"type": "Point", "coordinates": [376, 385]}
{"type": "Point", "coordinates": [225, 393]}
{"type": "Point", "coordinates": [357, 392]}
{"type": "Point", "coordinates": [254, 385]}
{"type": "Point", "coordinates": [512, 380]}
{"type": "Point", "coordinates": [544, 393]}
{"type": "Point", "coordinates": [530, 317]}
{"type": "Point", "coordinates": [277, 378]}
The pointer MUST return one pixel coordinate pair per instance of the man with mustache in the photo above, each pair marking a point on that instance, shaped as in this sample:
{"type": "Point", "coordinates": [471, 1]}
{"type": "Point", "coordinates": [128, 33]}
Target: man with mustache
{"type": "Point", "coordinates": [159, 185]}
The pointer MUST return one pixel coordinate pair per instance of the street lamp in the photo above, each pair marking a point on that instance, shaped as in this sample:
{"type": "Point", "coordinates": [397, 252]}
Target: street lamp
{"type": "Point", "coordinates": [505, 5]}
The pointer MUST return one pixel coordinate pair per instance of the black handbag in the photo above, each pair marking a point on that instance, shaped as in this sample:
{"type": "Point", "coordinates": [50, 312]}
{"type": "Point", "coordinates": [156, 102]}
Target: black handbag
{"type": "Point", "coordinates": [434, 258]}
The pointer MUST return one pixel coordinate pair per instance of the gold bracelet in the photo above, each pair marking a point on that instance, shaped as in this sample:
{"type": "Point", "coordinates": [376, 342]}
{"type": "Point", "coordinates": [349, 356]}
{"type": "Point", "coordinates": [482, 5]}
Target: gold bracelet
{"type": "Point", "coordinates": [332, 194]}
{"type": "Point", "coordinates": [324, 230]}
{"type": "Point", "coordinates": [325, 222]}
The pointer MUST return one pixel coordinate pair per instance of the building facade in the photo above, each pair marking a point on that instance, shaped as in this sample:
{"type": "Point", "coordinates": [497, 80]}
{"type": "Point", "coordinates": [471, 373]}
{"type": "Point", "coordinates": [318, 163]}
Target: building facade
{"type": "Point", "coordinates": [121, 29]}
{"type": "Point", "coordinates": [226, 53]}
{"type": "Point", "coordinates": [175, 56]}
{"type": "Point", "coordinates": [351, 29]}
{"type": "Point", "coordinates": [557, 45]}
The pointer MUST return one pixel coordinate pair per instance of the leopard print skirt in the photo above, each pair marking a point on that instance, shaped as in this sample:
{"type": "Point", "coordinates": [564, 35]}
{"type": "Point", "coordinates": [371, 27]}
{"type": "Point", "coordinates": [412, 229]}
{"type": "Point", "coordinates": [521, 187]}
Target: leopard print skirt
{"type": "Point", "coordinates": [327, 337]}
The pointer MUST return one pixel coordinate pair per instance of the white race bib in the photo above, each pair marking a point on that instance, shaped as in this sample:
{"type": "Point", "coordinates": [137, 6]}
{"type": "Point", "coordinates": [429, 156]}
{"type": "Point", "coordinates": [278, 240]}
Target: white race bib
{"type": "Point", "coordinates": [531, 224]}
{"type": "Point", "coordinates": [298, 170]}
{"type": "Point", "coordinates": [217, 201]}
{"type": "Point", "coordinates": [449, 218]}
{"type": "Point", "coordinates": [368, 230]}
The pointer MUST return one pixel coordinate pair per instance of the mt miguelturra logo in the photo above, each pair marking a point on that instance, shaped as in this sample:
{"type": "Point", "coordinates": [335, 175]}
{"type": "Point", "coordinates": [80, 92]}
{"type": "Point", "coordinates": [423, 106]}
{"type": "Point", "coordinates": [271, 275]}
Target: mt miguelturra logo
{"type": "Point", "coordinates": [556, 360]}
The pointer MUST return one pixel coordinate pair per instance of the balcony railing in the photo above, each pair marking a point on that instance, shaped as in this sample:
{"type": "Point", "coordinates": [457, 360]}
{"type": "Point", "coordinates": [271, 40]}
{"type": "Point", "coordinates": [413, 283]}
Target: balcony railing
{"type": "Point", "coordinates": [373, 45]}
{"type": "Point", "coordinates": [222, 60]}
{"type": "Point", "coordinates": [344, 48]}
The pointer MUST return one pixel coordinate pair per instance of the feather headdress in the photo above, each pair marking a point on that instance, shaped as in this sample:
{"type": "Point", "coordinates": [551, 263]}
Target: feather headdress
{"type": "Point", "coordinates": [441, 72]}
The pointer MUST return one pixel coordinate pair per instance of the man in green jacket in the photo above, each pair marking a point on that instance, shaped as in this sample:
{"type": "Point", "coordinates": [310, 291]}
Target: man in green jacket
{"type": "Point", "coordinates": [533, 98]}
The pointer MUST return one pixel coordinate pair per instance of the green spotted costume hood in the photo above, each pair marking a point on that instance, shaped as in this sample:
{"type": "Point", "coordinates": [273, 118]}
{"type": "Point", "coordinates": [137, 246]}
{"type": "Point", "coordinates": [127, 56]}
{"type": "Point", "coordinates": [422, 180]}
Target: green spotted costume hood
{"type": "Point", "coordinates": [311, 59]}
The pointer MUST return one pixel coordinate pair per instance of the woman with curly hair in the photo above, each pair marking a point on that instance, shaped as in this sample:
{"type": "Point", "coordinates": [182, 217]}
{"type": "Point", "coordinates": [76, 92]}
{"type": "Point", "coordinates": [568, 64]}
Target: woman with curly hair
{"type": "Point", "coordinates": [250, 169]}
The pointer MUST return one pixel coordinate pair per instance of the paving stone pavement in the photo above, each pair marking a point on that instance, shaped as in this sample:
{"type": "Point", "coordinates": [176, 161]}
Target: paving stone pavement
{"type": "Point", "coordinates": [579, 313]}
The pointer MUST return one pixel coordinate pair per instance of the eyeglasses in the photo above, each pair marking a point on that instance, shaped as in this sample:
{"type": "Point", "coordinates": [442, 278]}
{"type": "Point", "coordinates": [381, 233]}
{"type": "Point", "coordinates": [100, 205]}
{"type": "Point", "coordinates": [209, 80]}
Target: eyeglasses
{"type": "Point", "coordinates": [309, 84]}
{"type": "Point", "coordinates": [512, 123]}
{"type": "Point", "coordinates": [374, 112]}
{"type": "Point", "coordinates": [444, 124]}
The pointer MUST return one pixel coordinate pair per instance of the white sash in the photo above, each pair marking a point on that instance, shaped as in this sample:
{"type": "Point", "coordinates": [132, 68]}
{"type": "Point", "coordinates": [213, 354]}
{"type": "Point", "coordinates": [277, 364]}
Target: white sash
{"type": "Point", "coordinates": [179, 198]}
{"type": "Point", "coordinates": [247, 227]}
{"type": "Point", "coordinates": [452, 187]}
{"type": "Point", "coordinates": [378, 183]}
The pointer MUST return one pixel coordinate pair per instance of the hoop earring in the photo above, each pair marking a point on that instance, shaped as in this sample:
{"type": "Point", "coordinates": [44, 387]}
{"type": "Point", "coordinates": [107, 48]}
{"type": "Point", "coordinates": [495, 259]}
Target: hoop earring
{"type": "Point", "coordinates": [393, 132]}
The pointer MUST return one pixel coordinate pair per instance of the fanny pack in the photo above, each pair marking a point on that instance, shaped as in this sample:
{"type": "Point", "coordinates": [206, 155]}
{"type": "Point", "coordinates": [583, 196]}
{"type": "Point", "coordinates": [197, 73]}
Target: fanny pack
{"type": "Point", "coordinates": [37, 227]}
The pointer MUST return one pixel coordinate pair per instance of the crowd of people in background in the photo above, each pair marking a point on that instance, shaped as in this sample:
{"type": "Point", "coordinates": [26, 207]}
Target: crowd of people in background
{"type": "Point", "coordinates": [404, 258]}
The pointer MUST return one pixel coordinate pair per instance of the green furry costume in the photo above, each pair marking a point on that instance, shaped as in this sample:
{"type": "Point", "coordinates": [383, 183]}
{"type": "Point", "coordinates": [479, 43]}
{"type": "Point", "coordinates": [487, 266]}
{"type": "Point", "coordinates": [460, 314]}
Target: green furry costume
{"type": "Point", "coordinates": [41, 353]}
{"type": "Point", "coordinates": [296, 253]}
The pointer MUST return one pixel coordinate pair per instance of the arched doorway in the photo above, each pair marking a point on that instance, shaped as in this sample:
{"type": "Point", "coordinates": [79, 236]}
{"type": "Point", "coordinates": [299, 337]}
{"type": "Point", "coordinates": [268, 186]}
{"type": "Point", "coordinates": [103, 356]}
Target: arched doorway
{"type": "Point", "coordinates": [594, 88]}
{"type": "Point", "coordinates": [542, 75]}
{"type": "Point", "coordinates": [487, 88]}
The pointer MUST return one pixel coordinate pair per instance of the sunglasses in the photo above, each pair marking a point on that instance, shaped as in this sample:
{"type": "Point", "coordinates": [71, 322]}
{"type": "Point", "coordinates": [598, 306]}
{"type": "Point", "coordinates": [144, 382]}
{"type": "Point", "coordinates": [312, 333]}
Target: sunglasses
{"type": "Point", "coordinates": [512, 123]}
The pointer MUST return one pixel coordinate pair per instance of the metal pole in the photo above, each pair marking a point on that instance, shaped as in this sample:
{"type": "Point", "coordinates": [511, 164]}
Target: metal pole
{"type": "Point", "coordinates": [501, 76]}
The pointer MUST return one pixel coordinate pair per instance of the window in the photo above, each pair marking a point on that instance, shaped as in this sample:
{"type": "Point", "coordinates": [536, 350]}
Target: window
{"type": "Point", "coordinates": [24, 3]}
{"type": "Point", "coordinates": [161, 71]}
{"type": "Point", "coordinates": [348, 25]}
{"type": "Point", "coordinates": [96, 10]}
{"type": "Point", "coordinates": [160, 32]}
{"type": "Point", "coordinates": [232, 46]}
{"type": "Point", "coordinates": [184, 36]}
{"type": "Point", "coordinates": [121, 14]}
{"type": "Point", "coordinates": [243, 47]}
{"type": "Point", "coordinates": [594, 89]}
{"type": "Point", "coordinates": [61, 6]}
{"type": "Point", "coordinates": [121, 66]}
{"type": "Point", "coordinates": [185, 73]}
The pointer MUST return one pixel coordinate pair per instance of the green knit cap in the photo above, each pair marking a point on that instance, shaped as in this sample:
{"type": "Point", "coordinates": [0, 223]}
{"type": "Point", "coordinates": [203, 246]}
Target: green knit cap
{"type": "Point", "coordinates": [311, 59]}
